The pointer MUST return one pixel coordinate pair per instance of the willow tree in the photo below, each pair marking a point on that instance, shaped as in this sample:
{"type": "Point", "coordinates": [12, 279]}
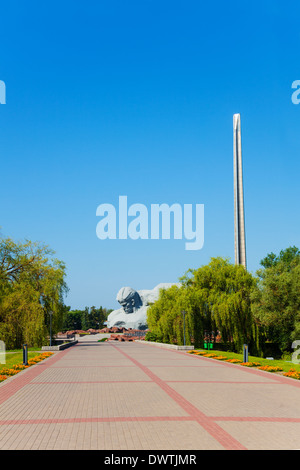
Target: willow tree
{"type": "Point", "coordinates": [216, 298]}
{"type": "Point", "coordinates": [276, 300]}
{"type": "Point", "coordinates": [166, 320]}
{"type": "Point", "coordinates": [32, 284]}
{"type": "Point", "coordinates": [162, 315]}
{"type": "Point", "coordinates": [227, 289]}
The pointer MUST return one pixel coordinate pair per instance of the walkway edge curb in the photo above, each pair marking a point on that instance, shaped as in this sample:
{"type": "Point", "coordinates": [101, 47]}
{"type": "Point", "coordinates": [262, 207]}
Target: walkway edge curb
{"type": "Point", "coordinates": [166, 345]}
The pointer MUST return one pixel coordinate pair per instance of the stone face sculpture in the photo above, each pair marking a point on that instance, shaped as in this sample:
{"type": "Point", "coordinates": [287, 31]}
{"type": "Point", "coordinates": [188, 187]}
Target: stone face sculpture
{"type": "Point", "coordinates": [134, 305]}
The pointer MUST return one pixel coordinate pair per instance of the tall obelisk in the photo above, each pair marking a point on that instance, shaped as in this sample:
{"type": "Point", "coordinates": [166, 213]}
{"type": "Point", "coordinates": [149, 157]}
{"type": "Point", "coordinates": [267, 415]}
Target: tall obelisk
{"type": "Point", "coordinates": [239, 217]}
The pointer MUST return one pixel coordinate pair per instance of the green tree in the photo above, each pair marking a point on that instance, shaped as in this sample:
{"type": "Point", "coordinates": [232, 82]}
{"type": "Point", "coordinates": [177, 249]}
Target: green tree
{"type": "Point", "coordinates": [276, 300]}
{"type": "Point", "coordinates": [215, 297]}
{"type": "Point", "coordinates": [73, 320]}
{"type": "Point", "coordinates": [97, 317]}
{"type": "Point", "coordinates": [85, 319]}
{"type": "Point", "coordinates": [32, 284]}
{"type": "Point", "coordinates": [21, 317]}
{"type": "Point", "coordinates": [94, 318]}
{"type": "Point", "coordinates": [226, 290]}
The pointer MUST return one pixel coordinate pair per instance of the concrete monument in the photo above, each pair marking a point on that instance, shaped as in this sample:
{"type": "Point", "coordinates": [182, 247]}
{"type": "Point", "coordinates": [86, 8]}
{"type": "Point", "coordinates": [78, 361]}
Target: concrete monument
{"type": "Point", "coordinates": [134, 306]}
{"type": "Point", "coordinates": [239, 218]}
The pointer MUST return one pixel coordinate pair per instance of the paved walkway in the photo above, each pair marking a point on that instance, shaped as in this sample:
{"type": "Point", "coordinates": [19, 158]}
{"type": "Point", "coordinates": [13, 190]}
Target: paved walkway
{"type": "Point", "coordinates": [132, 396]}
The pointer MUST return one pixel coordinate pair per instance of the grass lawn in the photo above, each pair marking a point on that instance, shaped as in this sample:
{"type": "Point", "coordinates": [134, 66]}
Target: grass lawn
{"type": "Point", "coordinates": [285, 365]}
{"type": "Point", "coordinates": [14, 358]}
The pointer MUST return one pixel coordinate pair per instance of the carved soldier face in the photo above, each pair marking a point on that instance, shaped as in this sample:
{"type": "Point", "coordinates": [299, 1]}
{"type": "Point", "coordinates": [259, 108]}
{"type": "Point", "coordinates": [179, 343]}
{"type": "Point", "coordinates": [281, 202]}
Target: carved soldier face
{"type": "Point", "coordinates": [129, 299]}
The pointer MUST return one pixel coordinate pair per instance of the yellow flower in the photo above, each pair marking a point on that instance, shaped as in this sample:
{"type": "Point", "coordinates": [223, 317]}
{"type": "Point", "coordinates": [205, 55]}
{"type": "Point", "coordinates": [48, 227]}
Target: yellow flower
{"type": "Point", "coordinates": [271, 368]}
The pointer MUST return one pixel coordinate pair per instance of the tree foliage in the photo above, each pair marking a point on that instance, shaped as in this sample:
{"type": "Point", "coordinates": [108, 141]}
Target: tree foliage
{"type": "Point", "coordinates": [32, 284]}
{"type": "Point", "coordinates": [276, 299]}
{"type": "Point", "coordinates": [85, 319]}
{"type": "Point", "coordinates": [225, 298]}
{"type": "Point", "coordinates": [215, 297]}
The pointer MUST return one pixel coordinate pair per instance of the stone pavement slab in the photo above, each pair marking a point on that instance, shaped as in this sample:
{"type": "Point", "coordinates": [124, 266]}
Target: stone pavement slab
{"type": "Point", "coordinates": [134, 396]}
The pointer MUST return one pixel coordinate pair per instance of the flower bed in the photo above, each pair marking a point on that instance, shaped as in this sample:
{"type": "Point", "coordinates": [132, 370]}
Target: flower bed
{"type": "Point", "coordinates": [293, 374]}
{"type": "Point", "coordinates": [196, 353]}
{"type": "Point", "coordinates": [271, 368]}
{"type": "Point", "coordinates": [8, 372]}
{"type": "Point", "coordinates": [19, 367]}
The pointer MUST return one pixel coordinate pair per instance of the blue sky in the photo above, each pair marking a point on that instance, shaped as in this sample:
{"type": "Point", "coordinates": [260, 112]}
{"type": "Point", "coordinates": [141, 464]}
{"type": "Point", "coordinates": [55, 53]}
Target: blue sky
{"type": "Point", "coordinates": [136, 98]}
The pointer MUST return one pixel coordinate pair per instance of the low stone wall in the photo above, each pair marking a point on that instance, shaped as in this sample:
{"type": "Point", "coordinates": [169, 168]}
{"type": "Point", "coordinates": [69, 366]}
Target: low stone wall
{"type": "Point", "coordinates": [167, 346]}
{"type": "Point", "coordinates": [59, 347]}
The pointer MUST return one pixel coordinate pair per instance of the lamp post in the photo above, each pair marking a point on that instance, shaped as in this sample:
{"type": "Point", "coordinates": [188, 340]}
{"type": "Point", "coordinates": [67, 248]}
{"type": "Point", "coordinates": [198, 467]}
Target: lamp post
{"type": "Point", "coordinates": [183, 313]}
{"type": "Point", "coordinates": [50, 313]}
{"type": "Point", "coordinates": [245, 353]}
{"type": "Point", "coordinates": [25, 354]}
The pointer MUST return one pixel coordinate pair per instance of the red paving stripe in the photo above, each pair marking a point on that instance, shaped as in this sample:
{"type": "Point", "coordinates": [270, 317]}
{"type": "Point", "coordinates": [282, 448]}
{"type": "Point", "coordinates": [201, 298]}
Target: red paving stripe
{"type": "Point", "coordinates": [185, 366]}
{"type": "Point", "coordinates": [119, 419]}
{"type": "Point", "coordinates": [256, 418]}
{"type": "Point", "coordinates": [129, 419]}
{"type": "Point", "coordinates": [252, 370]}
{"type": "Point", "coordinates": [9, 388]}
{"type": "Point", "coordinates": [15, 383]}
{"type": "Point", "coordinates": [91, 382]}
{"type": "Point", "coordinates": [5, 422]}
{"type": "Point", "coordinates": [86, 367]}
{"type": "Point", "coordinates": [222, 382]}
{"type": "Point", "coordinates": [148, 381]}
{"type": "Point", "coordinates": [225, 439]}
{"type": "Point", "coordinates": [267, 375]}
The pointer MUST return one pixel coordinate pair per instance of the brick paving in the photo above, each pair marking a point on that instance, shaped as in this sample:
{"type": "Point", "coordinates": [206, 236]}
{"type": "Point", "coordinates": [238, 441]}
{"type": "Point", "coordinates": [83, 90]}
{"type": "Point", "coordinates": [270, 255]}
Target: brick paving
{"type": "Point", "coordinates": [135, 396]}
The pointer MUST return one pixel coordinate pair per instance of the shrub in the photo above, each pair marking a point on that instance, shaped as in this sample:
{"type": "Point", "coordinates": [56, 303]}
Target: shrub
{"type": "Point", "coordinates": [151, 336]}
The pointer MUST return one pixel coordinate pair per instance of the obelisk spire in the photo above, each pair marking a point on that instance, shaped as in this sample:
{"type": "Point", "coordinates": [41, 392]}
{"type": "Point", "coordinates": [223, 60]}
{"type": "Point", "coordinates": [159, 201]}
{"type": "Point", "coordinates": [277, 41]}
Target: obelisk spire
{"type": "Point", "coordinates": [239, 218]}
